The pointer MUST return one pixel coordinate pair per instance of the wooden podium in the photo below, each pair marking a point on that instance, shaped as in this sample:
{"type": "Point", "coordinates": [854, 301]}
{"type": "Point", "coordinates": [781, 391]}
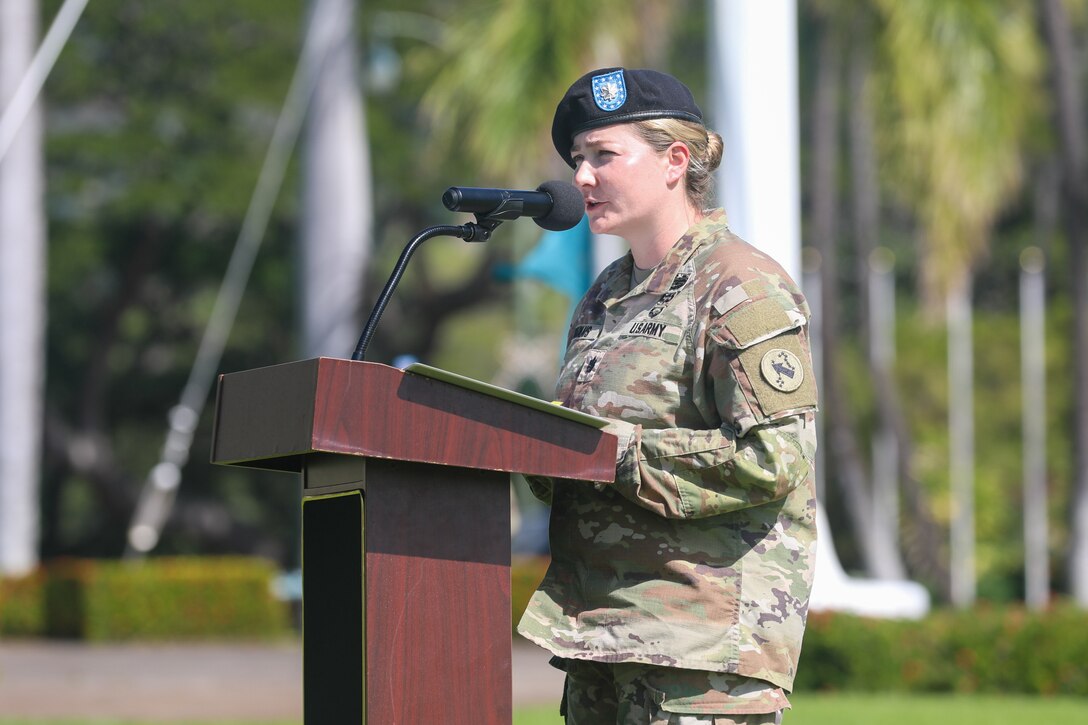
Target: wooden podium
{"type": "Point", "coordinates": [405, 528]}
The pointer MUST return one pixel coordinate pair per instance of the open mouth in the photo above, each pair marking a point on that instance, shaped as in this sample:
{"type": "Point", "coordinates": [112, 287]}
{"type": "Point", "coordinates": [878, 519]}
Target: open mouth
{"type": "Point", "coordinates": [591, 205]}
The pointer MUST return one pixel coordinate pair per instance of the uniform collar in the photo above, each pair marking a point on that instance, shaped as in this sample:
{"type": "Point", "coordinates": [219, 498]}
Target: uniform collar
{"type": "Point", "coordinates": [707, 228]}
{"type": "Point", "coordinates": [618, 284]}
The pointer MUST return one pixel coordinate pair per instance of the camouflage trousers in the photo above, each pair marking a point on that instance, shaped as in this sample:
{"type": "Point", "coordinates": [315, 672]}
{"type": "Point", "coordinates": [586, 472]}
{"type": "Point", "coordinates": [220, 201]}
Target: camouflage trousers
{"type": "Point", "coordinates": [598, 693]}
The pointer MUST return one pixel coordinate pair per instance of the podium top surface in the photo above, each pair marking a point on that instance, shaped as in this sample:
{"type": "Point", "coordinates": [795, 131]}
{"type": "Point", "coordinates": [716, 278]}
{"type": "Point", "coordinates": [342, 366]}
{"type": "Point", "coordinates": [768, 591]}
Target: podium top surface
{"type": "Point", "coordinates": [273, 417]}
{"type": "Point", "coordinates": [511, 395]}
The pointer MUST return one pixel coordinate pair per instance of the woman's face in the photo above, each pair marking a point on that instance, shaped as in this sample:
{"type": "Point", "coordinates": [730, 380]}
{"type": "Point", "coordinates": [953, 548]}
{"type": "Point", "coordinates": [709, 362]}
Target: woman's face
{"type": "Point", "coordinates": [621, 177]}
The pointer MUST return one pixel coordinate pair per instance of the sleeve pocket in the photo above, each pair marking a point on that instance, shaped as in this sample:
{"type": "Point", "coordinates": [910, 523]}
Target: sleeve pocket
{"type": "Point", "coordinates": [779, 375]}
{"type": "Point", "coordinates": [769, 357]}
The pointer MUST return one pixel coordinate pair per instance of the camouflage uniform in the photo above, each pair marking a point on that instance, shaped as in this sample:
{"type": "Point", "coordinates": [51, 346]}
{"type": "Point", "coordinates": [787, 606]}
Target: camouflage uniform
{"type": "Point", "coordinates": [634, 694]}
{"type": "Point", "coordinates": [700, 555]}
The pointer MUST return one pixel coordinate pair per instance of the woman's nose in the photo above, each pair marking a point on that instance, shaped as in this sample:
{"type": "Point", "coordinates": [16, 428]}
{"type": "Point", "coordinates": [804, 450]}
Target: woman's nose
{"type": "Point", "coordinates": [583, 175]}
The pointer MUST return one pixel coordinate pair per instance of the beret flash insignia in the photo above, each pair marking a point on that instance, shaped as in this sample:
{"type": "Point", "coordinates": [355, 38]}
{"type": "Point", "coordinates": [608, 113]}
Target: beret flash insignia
{"type": "Point", "coordinates": [609, 90]}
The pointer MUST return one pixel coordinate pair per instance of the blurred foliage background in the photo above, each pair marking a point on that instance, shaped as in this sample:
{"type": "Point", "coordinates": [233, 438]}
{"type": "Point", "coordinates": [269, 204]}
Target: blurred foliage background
{"type": "Point", "coordinates": [939, 118]}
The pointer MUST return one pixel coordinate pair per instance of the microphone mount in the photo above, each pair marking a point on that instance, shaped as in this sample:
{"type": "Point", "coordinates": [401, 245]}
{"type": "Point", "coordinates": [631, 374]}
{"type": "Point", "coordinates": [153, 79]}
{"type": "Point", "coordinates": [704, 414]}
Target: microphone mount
{"type": "Point", "coordinates": [478, 231]}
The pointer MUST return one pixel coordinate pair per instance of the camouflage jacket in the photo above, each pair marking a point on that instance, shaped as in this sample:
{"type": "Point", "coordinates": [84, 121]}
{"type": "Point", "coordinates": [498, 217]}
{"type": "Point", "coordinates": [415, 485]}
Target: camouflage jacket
{"type": "Point", "coordinates": [700, 555]}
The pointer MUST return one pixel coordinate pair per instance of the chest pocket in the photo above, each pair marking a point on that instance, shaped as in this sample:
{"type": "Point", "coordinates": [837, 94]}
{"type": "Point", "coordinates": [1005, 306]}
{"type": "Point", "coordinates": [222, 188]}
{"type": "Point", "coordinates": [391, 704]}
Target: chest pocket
{"type": "Point", "coordinates": [772, 362]}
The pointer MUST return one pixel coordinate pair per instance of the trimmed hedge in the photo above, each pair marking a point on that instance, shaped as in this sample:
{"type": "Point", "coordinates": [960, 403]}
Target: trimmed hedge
{"type": "Point", "coordinates": [982, 650]}
{"type": "Point", "coordinates": [22, 612]}
{"type": "Point", "coordinates": [161, 598]}
{"type": "Point", "coordinates": [1003, 650]}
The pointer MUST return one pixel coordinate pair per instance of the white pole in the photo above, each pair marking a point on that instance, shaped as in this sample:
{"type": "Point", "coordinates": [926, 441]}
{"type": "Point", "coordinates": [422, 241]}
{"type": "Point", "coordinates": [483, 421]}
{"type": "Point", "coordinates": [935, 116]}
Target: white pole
{"type": "Point", "coordinates": [1033, 372]}
{"type": "Point", "coordinates": [753, 105]}
{"type": "Point", "coordinates": [882, 355]}
{"type": "Point", "coordinates": [22, 296]}
{"type": "Point", "coordinates": [961, 424]}
{"type": "Point", "coordinates": [337, 207]}
{"type": "Point", "coordinates": [19, 105]}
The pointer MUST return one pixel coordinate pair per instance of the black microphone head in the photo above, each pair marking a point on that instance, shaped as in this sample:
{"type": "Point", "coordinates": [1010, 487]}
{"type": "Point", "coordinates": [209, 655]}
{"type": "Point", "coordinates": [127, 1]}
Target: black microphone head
{"type": "Point", "coordinates": [568, 207]}
{"type": "Point", "coordinates": [452, 198]}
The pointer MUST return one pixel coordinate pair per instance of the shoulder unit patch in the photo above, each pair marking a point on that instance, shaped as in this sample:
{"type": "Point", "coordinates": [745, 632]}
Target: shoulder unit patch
{"type": "Point", "coordinates": [782, 370]}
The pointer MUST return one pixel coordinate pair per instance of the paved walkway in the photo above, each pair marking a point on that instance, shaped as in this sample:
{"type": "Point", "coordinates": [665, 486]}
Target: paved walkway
{"type": "Point", "coordinates": [160, 683]}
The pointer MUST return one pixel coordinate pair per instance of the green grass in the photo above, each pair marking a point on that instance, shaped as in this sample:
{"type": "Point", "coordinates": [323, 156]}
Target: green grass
{"type": "Point", "coordinates": [811, 710]}
{"type": "Point", "coordinates": [855, 709]}
{"type": "Point", "coordinates": [858, 709]}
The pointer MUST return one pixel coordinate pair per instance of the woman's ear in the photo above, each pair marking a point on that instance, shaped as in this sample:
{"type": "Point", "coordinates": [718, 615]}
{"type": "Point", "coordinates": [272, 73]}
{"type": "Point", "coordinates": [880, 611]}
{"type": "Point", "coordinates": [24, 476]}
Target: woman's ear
{"type": "Point", "coordinates": [677, 158]}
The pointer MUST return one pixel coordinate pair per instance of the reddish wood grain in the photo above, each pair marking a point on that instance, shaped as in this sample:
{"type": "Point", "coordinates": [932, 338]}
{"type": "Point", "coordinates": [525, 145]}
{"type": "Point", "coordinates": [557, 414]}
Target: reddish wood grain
{"type": "Point", "coordinates": [391, 414]}
{"type": "Point", "coordinates": [437, 595]}
{"type": "Point", "coordinates": [438, 642]}
{"type": "Point", "coordinates": [271, 417]}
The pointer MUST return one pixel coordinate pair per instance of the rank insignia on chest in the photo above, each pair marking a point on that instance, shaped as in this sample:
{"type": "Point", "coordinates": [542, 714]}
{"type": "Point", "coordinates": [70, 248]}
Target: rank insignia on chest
{"type": "Point", "coordinates": [782, 370]}
{"type": "Point", "coordinates": [674, 289]}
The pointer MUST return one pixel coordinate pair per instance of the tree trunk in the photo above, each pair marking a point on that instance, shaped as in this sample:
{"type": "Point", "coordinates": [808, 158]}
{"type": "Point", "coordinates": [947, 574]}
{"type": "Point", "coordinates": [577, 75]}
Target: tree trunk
{"type": "Point", "coordinates": [864, 189]}
{"type": "Point", "coordinates": [921, 534]}
{"type": "Point", "coordinates": [1033, 397]}
{"type": "Point", "coordinates": [22, 301]}
{"type": "Point", "coordinates": [1070, 119]}
{"type": "Point", "coordinates": [877, 545]}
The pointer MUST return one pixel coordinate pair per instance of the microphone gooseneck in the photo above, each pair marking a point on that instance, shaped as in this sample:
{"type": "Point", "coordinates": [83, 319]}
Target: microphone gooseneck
{"type": "Point", "coordinates": [468, 232]}
{"type": "Point", "coordinates": [555, 205]}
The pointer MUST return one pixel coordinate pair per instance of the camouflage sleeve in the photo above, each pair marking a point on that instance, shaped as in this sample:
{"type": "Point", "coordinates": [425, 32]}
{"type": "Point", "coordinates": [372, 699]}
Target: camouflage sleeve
{"type": "Point", "coordinates": [685, 473]}
{"type": "Point", "coordinates": [757, 374]}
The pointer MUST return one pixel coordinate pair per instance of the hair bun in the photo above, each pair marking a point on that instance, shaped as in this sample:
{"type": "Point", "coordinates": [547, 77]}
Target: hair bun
{"type": "Point", "coordinates": [714, 148]}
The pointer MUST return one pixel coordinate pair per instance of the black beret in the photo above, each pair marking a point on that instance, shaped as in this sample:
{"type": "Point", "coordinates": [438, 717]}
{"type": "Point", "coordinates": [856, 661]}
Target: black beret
{"type": "Point", "coordinates": [616, 95]}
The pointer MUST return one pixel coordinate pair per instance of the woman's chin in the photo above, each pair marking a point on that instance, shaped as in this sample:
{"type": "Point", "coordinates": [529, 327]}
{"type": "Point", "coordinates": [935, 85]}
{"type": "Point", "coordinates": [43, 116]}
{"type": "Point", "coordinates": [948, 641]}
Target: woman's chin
{"type": "Point", "coordinates": [601, 225]}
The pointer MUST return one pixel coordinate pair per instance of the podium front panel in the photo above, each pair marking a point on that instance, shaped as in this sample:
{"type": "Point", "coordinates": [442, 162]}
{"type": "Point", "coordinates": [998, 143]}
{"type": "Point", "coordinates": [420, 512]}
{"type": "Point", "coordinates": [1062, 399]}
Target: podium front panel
{"type": "Point", "coordinates": [437, 594]}
{"type": "Point", "coordinates": [407, 595]}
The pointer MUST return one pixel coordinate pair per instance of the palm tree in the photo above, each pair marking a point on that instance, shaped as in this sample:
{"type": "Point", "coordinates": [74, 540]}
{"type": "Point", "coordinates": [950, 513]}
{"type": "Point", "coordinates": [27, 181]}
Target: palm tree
{"type": "Point", "coordinates": [951, 93]}
{"type": "Point", "coordinates": [962, 80]}
{"type": "Point", "coordinates": [876, 540]}
{"type": "Point", "coordinates": [505, 66]}
{"type": "Point", "coordinates": [961, 83]}
{"type": "Point", "coordinates": [922, 551]}
{"type": "Point", "coordinates": [1070, 117]}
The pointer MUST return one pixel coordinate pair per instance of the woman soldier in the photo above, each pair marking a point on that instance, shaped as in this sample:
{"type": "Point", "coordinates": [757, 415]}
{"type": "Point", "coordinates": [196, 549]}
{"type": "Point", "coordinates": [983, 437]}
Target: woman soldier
{"type": "Point", "coordinates": [677, 594]}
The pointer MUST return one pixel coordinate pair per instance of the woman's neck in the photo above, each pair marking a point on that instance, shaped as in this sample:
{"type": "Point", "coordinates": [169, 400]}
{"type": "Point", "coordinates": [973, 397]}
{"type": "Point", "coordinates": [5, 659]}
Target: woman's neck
{"type": "Point", "coordinates": [649, 248]}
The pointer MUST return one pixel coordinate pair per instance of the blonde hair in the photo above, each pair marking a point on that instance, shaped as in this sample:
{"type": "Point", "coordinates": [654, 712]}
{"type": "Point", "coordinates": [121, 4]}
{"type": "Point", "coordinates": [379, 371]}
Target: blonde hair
{"type": "Point", "coordinates": [704, 145]}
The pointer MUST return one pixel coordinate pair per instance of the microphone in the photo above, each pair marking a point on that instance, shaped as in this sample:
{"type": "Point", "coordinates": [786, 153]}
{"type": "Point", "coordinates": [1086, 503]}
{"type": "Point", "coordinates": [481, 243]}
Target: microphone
{"type": "Point", "coordinates": [555, 205]}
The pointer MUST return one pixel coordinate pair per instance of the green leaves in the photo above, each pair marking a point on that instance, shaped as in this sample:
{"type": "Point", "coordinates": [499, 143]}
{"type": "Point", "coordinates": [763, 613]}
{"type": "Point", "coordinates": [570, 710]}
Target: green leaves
{"type": "Point", "coordinates": [961, 99]}
{"type": "Point", "coordinates": [503, 69]}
